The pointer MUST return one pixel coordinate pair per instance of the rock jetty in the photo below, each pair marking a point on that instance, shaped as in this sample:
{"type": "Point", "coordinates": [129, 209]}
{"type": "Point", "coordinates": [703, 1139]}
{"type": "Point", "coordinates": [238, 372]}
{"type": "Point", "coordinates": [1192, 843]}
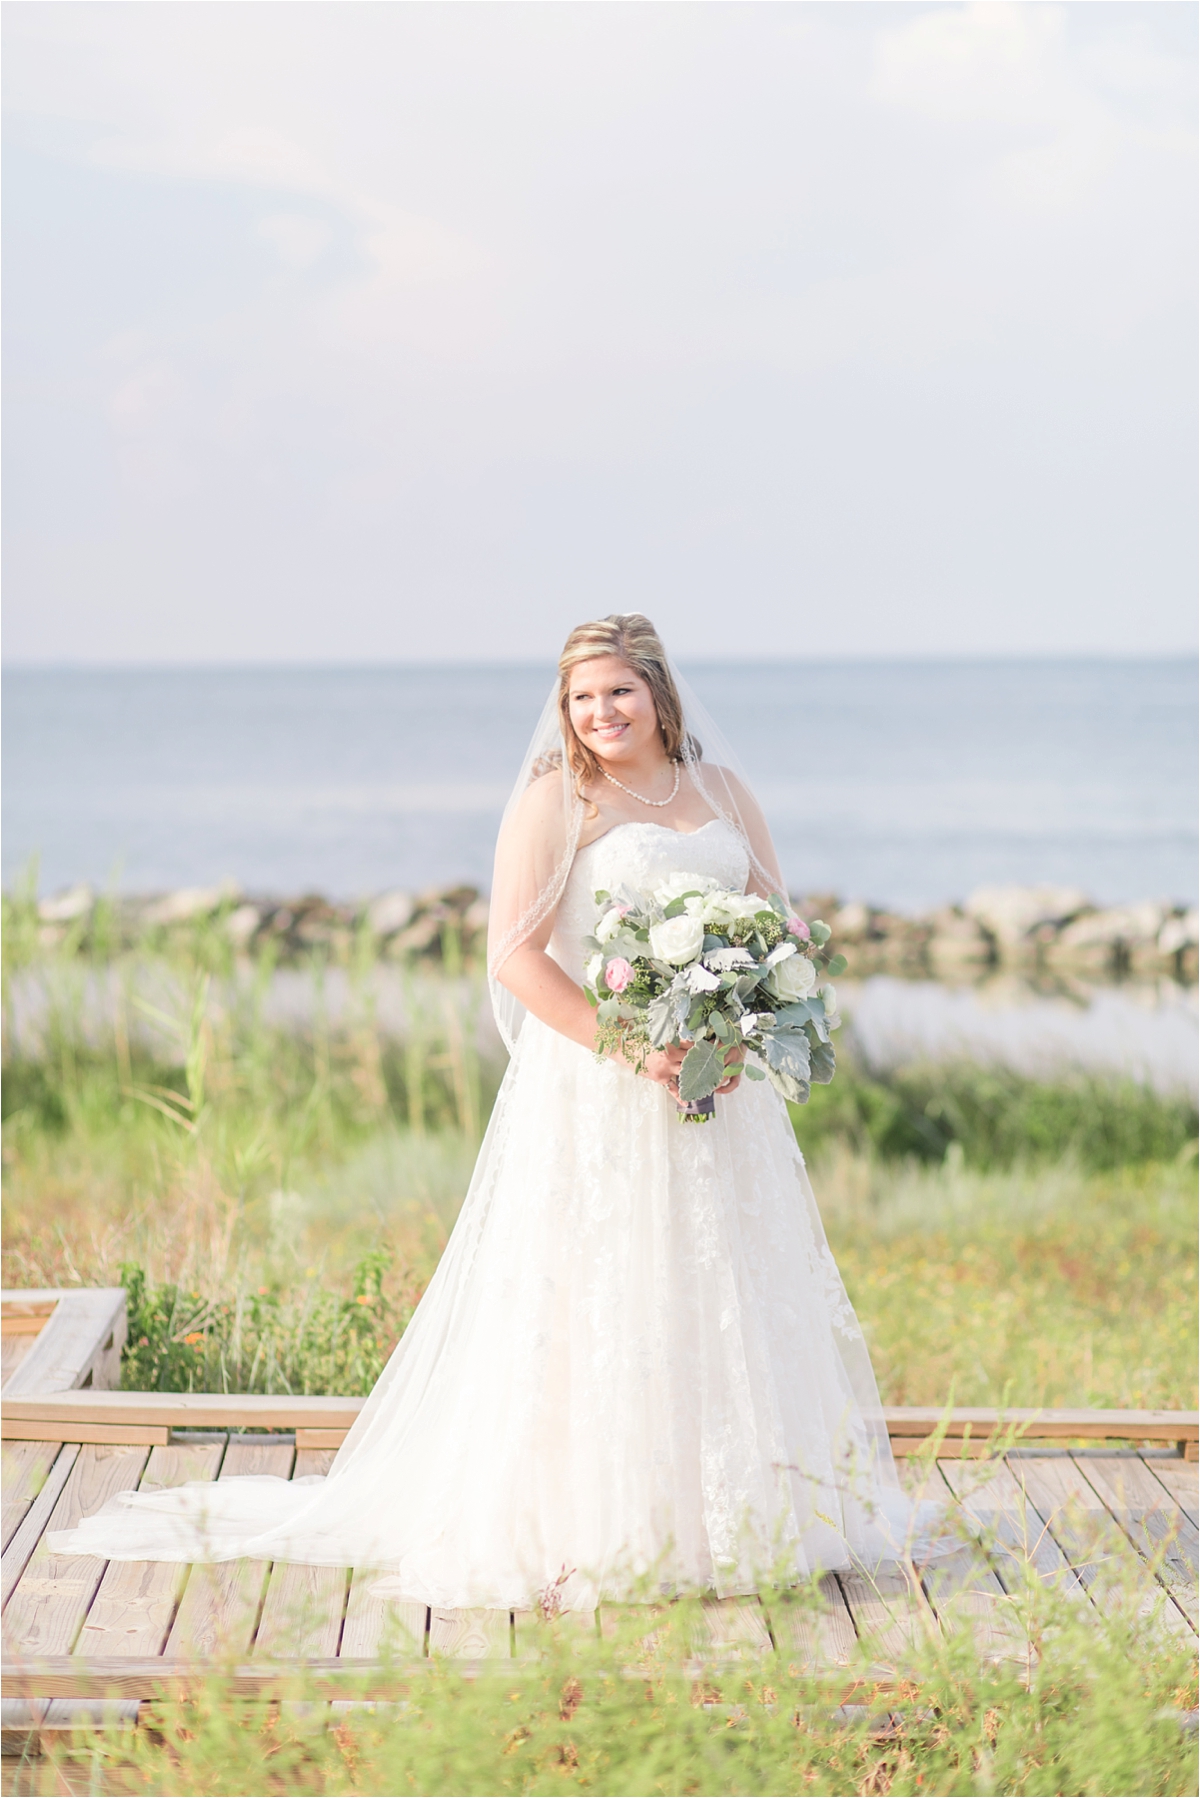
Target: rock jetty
{"type": "Point", "coordinates": [1055, 928]}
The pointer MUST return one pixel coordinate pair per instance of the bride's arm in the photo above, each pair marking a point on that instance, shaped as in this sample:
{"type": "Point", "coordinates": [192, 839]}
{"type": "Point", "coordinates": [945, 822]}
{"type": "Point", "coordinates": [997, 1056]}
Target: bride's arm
{"type": "Point", "coordinates": [551, 995]}
{"type": "Point", "coordinates": [529, 861]}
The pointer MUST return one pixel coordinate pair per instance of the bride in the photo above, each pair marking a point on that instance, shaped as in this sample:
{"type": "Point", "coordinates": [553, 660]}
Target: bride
{"type": "Point", "coordinates": [636, 1357]}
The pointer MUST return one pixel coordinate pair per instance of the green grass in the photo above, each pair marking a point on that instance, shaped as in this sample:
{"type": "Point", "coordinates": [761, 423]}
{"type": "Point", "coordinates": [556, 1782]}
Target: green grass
{"type": "Point", "coordinates": [1047, 1285]}
{"type": "Point", "coordinates": [994, 1116]}
{"type": "Point", "coordinates": [276, 1198]}
{"type": "Point", "coordinates": [1099, 1707]}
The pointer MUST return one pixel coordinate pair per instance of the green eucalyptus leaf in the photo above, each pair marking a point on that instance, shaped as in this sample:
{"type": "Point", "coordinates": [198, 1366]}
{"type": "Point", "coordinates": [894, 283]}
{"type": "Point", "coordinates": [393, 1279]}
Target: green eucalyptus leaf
{"type": "Point", "coordinates": [837, 965]}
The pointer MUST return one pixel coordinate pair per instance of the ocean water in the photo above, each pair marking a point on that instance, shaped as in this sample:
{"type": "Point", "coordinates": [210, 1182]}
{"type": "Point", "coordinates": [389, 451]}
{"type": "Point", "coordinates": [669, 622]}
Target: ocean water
{"type": "Point", "coordinates": [904, 783]}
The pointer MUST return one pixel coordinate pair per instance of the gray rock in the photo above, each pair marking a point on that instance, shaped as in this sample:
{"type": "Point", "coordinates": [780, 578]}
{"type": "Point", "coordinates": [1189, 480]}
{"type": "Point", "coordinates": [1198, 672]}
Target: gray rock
{"type": "Point", "coordinates": [1127, 926]}
{"type": "Point", "coordinates": [475, 918]}
{"type": "Point", "coordinates": [64, 908]}
{"type": "Point", "coordinates": [390, 912]}
{"type": "Point", "coordinates": [1180, 933]}
{"type": "Point", "coordinates": [851, 923]}
{"type": "Point", "coordinates": [1013, 914]}
{"type": "Point", "coordinates": [190, 902]}
{"type": "Point", "coordinates": [957, 940]}
{"type": "Point", "coordinates": [241, 925]}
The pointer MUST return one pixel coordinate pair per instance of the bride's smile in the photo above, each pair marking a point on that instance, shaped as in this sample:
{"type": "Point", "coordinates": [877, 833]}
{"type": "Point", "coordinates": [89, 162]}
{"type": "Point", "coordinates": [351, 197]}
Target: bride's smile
{"type": "Point", "coordinates": [613, 714]}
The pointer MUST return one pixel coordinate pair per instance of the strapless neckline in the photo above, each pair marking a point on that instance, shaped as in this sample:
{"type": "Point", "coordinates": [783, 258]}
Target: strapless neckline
{"type": "Point", "coordinates": [649, 824]}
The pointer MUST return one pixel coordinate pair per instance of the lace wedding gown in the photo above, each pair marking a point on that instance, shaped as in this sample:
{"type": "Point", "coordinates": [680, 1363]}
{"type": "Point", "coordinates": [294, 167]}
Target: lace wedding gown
{"type": "Point", "coordinates": [636, 1356]}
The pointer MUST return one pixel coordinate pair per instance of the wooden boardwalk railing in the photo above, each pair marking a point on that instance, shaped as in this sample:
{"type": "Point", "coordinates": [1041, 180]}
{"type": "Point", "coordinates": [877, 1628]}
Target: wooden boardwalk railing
{"type": "Point", "coordinates": [150, 1418]}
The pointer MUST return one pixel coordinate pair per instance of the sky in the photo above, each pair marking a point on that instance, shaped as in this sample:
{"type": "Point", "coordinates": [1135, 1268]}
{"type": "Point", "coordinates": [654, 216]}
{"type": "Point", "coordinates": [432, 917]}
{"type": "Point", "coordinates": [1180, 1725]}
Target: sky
{"type": "Point", "coordinates": [385, 332]}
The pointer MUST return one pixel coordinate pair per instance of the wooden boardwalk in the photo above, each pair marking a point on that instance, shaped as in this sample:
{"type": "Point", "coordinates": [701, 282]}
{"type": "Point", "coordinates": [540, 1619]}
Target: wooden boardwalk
{"type": "Point", "coordinates": [76, 1627]}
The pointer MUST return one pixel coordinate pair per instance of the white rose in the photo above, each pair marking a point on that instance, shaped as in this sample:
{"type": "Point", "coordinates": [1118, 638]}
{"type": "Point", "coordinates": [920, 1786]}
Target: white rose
{"type": "Point", "coordinates": [609, 925]}
{"type": "Point", "coordinates": [674, 886]}
{"type": "Point", "coordinates": [792, 978]}
{"type": "Point", "coordinates": [724, 909]}
{"type": "Point", "coordinates": [677, 940]}
{"type": "Point", "coordinates": [829, 995]}
{"type": "Point", "coordinates": [594, 969]}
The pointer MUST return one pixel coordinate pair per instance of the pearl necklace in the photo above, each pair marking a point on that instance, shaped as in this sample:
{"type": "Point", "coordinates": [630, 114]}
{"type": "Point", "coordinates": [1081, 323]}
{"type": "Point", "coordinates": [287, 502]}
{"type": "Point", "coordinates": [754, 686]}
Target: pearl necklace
{"type": "Point", "coordinates": [640, 797]}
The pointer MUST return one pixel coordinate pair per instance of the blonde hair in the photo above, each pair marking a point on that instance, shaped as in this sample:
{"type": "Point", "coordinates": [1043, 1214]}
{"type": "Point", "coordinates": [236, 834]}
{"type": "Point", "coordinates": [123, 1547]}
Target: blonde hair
{"type": "Point", "coordinates": [632, 638]}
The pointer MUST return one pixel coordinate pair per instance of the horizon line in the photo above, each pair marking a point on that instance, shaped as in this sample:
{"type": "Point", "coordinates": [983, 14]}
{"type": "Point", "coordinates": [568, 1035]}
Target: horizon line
{"type": "Point", "coordinates": [846, 659]}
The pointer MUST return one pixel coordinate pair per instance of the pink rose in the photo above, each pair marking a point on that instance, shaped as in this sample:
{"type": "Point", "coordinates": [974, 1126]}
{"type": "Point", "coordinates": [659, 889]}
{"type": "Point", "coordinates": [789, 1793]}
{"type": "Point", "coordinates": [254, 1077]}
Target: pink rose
{"type": "Point", "coordinates": [798, 927]}
{"type": "Point", "coordinates": [618, 974]}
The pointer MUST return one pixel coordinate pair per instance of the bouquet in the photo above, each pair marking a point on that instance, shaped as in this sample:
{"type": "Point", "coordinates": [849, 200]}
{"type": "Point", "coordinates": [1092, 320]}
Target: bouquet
{"type": "Point", "coordinates": [690, 962]}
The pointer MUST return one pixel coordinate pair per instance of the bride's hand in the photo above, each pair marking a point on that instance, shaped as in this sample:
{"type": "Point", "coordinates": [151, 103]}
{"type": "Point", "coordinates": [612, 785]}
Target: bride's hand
{"type": "Point", "coordinates": [662, 1066]}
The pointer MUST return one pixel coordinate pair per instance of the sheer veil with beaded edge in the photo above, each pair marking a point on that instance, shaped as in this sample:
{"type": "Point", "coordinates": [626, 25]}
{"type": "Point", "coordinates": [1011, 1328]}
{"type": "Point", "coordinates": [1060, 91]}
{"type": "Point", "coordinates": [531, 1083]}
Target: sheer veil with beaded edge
{"type": "Point", "coordinates": [540, 831]}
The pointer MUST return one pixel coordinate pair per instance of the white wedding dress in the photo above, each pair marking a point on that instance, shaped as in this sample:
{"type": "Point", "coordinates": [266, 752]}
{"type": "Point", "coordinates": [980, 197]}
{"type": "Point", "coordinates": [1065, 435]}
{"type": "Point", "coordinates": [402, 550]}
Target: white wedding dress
{"type": "Point", "coordinates": [636, 1357]}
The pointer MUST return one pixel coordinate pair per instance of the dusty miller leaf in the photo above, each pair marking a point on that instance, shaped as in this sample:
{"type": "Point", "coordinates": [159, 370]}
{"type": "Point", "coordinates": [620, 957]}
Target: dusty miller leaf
{"type": "Point", "coordinates": [702, 1072]}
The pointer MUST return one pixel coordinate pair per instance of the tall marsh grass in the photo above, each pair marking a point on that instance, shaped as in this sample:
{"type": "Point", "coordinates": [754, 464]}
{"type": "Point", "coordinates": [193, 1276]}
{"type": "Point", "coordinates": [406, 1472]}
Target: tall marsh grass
{"type": "Point", "coordinates": [271, 1161]}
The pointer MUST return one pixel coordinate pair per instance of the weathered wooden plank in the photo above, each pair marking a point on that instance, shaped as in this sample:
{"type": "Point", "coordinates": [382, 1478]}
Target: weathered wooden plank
{"type": "Point", "coordinates": [54, 1593]}
{"type": "Point", "coordinates": [1159, 1530]}
{"type": "Point", "coordinates": [1087, 1533]}
{"type": "Point", "coordinates": [28, 1304]}
{"type": "Point", "coordinates": [187, 1410]}
{"type": "Point", "coordinates": [32, 1724]}
{"type": "Point", "coordinates": [532, 1632]}
{"type": "Point", "coordinates": [249, 1457]}
{"type": "Point", "coordinates": [962, 1588]}
{"type": "Point", "coordinates": [310, 1461]}
{"type": "Point", "coordinates": [25, 1466]}
{"type": "Point", "coordinates": [302, 1612]}
{"type": "Point", "coordinates": [305, 1605]}
{"type": "Point", "coordinates": [814, 1630]}
{"type": "Point", "coordinates": [218, 1612]}
{"type": "Point", "coordinates": [376, 1626]}
{"type": "Point", "coordinates": [29, 1531]}
{"type": "Point", "coordinates": [14, 1346]}
{"type": "Point", "coordinates": [994, 1496]}
{"type": "Point", "coordinates": [134, 1609]}
{"type": "Point", "coordinates": [1182, 1481]}
{"type": "Point", "coordinates": [471, 1635]}
{"type": "Point", "coordinates": [1126, 1426]}
{"type": "Point", "coordinates": [72, 1676]}
{"type": "Point", "coordinates": [46, 1429]}
{"type": "Point", "coordinates": [80, 1342]}
{"type": "Point", "coordinates": [336, 1414]}
{"type": "Point", "coordinates": [889, 1616]}
{"type": "Point", "coordinates": [737, 1628]}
